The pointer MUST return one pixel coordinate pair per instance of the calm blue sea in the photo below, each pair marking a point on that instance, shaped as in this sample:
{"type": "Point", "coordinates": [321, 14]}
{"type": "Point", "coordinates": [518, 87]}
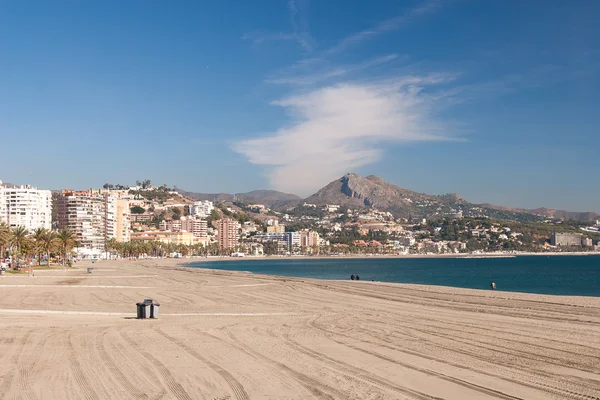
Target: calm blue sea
{"type": "Point", "coordinates": [563, 275]}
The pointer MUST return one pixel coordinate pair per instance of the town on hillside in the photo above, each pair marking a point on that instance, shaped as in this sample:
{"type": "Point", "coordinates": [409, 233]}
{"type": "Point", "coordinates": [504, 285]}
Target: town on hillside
{"type": "Point", "coordinates": [145, 220]}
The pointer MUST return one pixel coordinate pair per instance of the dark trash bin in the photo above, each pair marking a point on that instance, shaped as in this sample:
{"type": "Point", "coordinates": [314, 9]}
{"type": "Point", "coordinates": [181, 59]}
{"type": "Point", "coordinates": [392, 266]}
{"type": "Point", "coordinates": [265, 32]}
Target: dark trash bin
{"type": "Point", "coordinates": [154, 310]}
{"type": "Point", "coordinates": [143, 310]}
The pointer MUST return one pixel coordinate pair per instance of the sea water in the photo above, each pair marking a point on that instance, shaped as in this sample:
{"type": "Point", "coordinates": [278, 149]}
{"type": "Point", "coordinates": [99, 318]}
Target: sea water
{"type": "Point", "coordinates": [560, 275]}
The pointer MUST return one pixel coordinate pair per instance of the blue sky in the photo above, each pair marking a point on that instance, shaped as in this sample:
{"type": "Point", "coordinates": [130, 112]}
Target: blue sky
{"type": "Point", "coordinates": [497, 101]}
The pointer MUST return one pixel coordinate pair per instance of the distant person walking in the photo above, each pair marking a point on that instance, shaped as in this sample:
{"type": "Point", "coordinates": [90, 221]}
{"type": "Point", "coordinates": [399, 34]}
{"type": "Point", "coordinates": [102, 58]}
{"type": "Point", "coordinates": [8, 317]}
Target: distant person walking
{"type": "Point", "coordinates": [352, 276]}
{"type": "Point", "coordinates": [493, 285]}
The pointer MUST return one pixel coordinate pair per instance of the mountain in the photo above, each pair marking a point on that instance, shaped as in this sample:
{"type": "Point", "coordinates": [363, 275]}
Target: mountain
{"type": "Point", "coordinates": [552, 213]}
{"type": "Point", "coordinates": [270, 198]}
{"type": "Point", "coordinates": [355, 191]}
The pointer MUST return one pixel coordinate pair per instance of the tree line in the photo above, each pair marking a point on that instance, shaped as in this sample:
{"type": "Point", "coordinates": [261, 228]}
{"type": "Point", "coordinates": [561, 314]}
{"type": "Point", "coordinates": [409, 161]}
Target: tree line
{"type": "Point", "coordinates": [18, 243]}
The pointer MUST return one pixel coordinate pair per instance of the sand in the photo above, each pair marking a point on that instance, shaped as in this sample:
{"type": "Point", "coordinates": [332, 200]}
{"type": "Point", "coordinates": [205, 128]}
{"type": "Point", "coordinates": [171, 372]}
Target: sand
{"type": "Point", "coordinates": [231, 335]}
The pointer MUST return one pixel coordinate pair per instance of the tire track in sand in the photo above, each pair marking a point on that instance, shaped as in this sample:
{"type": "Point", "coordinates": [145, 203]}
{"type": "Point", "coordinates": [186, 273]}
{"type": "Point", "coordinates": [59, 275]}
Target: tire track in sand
{"type": "Point", "coordinates": [117, 373]}
{"type": "Point", "coordinates": [174, 387]}
{"type": "Point", "coordinates": [25, 368]}
{"type": "Point", "coordinates": [234, 384]}
{"type": "Point", "coordinates": [562, 393]}
{"type": "Point", "coordinates": [7, 381]}
{"type": "Point", "coordinates": [529, 376]}
{"type": "Point", "coordinates": [362, 374]}
{"type": "Point", "coordinates": [316, 388]}
{"type": "Point", "coordinates": [84, 384]}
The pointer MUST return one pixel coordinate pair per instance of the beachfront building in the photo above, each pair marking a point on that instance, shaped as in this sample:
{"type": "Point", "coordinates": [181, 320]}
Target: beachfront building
{"type": "Point", "coordinates": [123, 220]}
{"type": "Point", "coordinates": [94, 218]}
{"type": "Point", "coordinates": [25, 206]}
{"type": "Point", "coordinates": [566, 239]}
{"type": "Point", "coordinates": [288, 240]}
{"type": "Point", "coordinates": [178, 238]}
{"type": "Point", "coordinates": [228, 233]}
{"type": "Point", "coordinates": [197, 226]}
{"type": "Point", "coordinates": [309, 238]}
{"type": "Point", "coordinates": [202, 209]}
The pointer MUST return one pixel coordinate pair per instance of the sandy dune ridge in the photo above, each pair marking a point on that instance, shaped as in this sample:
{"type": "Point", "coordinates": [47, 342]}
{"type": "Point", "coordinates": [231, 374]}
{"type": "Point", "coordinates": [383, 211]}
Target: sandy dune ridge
{"type": "Point", "coordinates": [233, 335]}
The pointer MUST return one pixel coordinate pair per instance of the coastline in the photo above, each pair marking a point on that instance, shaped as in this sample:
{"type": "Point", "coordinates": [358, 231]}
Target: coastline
{"type": "Point", "coordinates": [384, 256]}
{"type": "Point", "coordinates": [228, 334]}
{"type": "Point", "coordinates": [524, 274]}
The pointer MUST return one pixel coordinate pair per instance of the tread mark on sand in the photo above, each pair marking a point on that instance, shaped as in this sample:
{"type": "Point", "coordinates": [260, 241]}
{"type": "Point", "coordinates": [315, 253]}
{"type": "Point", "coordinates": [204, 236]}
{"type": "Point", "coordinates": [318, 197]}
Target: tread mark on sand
{"type": "Point", "coordinates": [313, 386]}
{"type": "Point", "coordinates": [529, 383]}
{"type": "Point", "coordinates": [7, 381]}
{"type": "Point", "coordinates": [174, 386]}
{"type": "Point", "coordinates": [25, 369]}
{"type": "Point", "coordinates": [116, 371]}
{"type": "Point", "coordinates": [234, 384]}
{"type": "Point", "coordinates": [361, 373]}
{"type": "Point", "coordinates": [80, 378]}
{"type": "Point", "coordinates": [163, 391]}
{"type": "Point", "coordinates": [528, 377]}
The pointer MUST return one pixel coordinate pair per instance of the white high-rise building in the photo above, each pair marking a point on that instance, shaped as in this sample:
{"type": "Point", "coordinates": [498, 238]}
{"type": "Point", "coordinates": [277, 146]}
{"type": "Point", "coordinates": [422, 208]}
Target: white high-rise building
{"type": "Point", "coordinates": [26, 206]}
{"type": "Point", "coordinates": [202, 209]}
{"type": "Point", "coordinates": [91, 216]}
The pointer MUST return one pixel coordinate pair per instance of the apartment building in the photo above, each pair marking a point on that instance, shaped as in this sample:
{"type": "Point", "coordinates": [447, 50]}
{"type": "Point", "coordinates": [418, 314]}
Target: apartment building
{"type": "Point", "coordinates": [227, 235]}
{"type": "Point", "coordinates": [309, 238]}
{"type": "Point", "coordinates": [186, 238]}
{"type": "Point", "coordinates": [94, 218]}
{"type": "Point", "coordinates": [123, 220]}
{"type": "Point", "coordinates": [276, 228]}
{"type": "Point", "coordinates": [197, 226]}
{"type": "Point", "coordinates": [26, 206]}
{"type": "Point", "coordinates": [202, 209]}
{"type": "Point", "coordinates": [566, 239]}
{"type": "Point", "coordinates": [289, 240]}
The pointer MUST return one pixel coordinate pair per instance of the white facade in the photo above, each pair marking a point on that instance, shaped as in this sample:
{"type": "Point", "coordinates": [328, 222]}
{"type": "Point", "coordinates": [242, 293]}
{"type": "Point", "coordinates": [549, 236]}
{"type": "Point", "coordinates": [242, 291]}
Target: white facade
{"type": "Point", "coordinates": [201, 209]}
{"type": "Point", "coordinates": [92, 217]}
{"type": "Point", "coordinates": [26, 206]}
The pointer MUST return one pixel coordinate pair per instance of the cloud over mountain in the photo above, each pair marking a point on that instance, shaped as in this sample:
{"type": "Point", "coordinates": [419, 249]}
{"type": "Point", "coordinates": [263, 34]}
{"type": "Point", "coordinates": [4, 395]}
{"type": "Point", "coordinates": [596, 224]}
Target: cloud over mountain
{"type": "Point", "coordinates": [342, 127]}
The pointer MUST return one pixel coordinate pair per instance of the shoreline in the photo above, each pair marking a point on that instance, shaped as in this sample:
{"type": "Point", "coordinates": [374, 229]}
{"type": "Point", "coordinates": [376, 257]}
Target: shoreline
{"type": "Point", "coordinates": [384, 256]}
{"type": "Point", "coordinates": [467, 277]}
{"type": "Point", "coordinates": [228, 334]}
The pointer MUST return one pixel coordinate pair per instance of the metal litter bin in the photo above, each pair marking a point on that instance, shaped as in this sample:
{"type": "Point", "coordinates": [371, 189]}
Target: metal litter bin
{"type": "Point", "coordinates": [143, 310]}
{"type": "Point", "coordinates": [89, 270]}
{"type": "Point", "coordinates": [1, 272]}
{"type": "Point", "coordinates": [154, 310]}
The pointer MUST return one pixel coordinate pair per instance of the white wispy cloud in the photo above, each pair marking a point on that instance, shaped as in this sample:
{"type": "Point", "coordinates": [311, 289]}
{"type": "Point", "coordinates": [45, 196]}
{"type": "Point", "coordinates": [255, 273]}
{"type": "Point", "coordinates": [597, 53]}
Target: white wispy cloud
{"type": "Point", "coordinates": [330, 73]}
{"type": "Point", "coordinates": [385, 26]}
{"type": "Point", "coordinates": [319, 66]}
{"type": "Point", "coordinates": [341, 127]}
{"type": "Point", "coordinates": [303, 41]}
{"type": "Point", "coordinates": [299, 34]}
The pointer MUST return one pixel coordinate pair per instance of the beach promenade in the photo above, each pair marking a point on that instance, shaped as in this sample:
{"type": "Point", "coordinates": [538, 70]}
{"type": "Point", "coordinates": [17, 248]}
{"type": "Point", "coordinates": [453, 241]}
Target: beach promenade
{"type": "Point", "coordinates": [232, 335]}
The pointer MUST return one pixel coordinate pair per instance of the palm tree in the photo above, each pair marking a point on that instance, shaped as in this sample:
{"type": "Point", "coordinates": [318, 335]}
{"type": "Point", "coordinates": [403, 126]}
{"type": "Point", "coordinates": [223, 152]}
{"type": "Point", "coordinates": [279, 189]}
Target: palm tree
{"type": "Point", "coordinates": [66, 240]}
{"type": "Point", "coordinates": [4, 237]}
{"type": "Point", "coordinates": [18, 239]}
{"type": "Point", "coordinates": [49, 241]}
{"type": "Point", "coordinates": [38, 236]}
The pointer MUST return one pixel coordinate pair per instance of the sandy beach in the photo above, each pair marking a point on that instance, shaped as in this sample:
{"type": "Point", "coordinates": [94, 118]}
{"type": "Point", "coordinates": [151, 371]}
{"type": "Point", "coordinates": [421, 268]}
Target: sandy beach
{"type": "Point", "coordinates": [233, 335]}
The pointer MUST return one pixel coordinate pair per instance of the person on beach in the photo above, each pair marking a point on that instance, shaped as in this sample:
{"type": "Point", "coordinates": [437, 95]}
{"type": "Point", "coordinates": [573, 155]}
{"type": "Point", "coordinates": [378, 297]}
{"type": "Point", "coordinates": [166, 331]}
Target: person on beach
{"type": "Point", "coordinates": [352, 276]}
{"type": "Point", "coordinates": [493, 284]}
{"type": "Point", "coordinates": [357, 277]}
